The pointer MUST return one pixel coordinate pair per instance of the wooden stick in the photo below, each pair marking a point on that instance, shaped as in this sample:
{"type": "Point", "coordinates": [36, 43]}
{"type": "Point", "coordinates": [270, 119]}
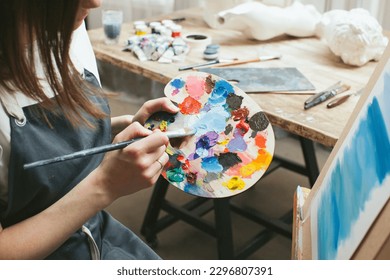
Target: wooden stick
{"type": "Point", "coordinates": [237, 62]}
{"type": "Point", "coordinates": [243, 61]}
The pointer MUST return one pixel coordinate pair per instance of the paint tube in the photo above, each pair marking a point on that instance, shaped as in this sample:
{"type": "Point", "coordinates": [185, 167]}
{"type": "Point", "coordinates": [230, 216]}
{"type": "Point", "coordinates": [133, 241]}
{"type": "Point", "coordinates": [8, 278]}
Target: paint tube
{"type": "Point", "coordinates": [167, 56]}
{"type": "Point", "coordinates": [176, 31]}
{"type": "Point", "coordinates": [163, 47]}
{"type": "Point", "coordinates": [139, 53]}
{"type": "Point", "coordinates": [179, 46]}
{"type": "Point", "coordinates": [148, 49]}
{"type": "Point", "coordinates": [167, 22]}
{"type": "Point", "coordinates": [141, 30]}
{"type": "Point", "coordinates": [154, 27]}
{"type": "Point", "coordinates": [133, 40]}
{"type": "Point", "coordinates": [164, 31]}
{"type": "Point", "coordinates": [160, 50]}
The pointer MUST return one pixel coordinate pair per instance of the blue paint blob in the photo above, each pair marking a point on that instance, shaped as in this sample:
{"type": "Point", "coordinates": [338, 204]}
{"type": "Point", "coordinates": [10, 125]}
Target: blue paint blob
{"type": "Point", "coordinates": [195, 190]}
{"type": "Point", "coordinates": [211, 164]}
{"type": "Point", "coordinates": [208, 140]}
{"type": "Point", "coordinates": [204, 144]}
{"type": "Point", "coordinates": [178, 83]}
{"type": "Point", "coordinates": [213, 120]}
{"type": "Point", "coordinates": [220, 92]}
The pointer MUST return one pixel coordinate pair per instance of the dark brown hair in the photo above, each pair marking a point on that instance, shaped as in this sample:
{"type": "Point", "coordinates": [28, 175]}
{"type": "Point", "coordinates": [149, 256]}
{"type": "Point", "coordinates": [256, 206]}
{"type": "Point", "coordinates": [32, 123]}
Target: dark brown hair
{"type": "Point", "coordinates": [46, 25]}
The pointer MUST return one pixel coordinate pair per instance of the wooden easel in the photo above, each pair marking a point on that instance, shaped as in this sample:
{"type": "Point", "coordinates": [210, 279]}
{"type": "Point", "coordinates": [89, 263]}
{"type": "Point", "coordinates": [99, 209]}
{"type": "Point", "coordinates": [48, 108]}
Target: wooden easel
{"type": "Point", "coordinates": [376, 242]}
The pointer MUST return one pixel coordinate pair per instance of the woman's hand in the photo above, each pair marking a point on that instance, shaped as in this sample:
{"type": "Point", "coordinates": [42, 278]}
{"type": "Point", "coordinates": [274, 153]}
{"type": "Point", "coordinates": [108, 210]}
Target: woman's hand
{"type": "Point", "coordinates": [120, 123]}
{"type": "Point", "coordinates": [135, 167]}
{"type": "Point", "coordinates": [121, 172]}
{"type": "Point", "coordinates": [153, 106]}
{"type": "Point", "coordinates": [150, 107]}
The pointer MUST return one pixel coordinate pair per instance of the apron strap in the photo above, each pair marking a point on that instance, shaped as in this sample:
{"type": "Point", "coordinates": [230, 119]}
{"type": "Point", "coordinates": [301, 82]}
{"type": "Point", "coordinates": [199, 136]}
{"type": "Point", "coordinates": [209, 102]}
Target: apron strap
{"type": "Point", "coordinates": [12, 108]}
{"type": "Point", "coordinates": [94, 249]}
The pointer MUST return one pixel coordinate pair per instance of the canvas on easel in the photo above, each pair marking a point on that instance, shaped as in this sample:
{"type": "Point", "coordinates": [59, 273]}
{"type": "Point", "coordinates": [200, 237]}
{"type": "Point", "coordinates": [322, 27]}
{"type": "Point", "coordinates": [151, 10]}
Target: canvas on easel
{"type": "Point", "coordinates": [351, 194]}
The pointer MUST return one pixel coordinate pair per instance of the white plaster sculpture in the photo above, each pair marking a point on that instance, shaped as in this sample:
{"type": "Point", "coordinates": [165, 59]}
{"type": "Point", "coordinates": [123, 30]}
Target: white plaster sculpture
{"type": "Point", "coordinates": [353, 35]}
{"type": "Point", "coordinates": [211, 8]}
{"type": "Point", "coordinates": [263, 22]}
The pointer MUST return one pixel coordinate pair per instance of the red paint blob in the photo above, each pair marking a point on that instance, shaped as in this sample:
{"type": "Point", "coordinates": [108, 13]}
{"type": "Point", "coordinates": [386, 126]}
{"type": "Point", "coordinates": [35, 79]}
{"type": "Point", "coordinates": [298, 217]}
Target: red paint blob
{"type": "Point", "coordinates": [260, 141]}
{"type": "Point", "coordinates": [243, 127]}
{"type": "Point", "coordinates": [190, 106]}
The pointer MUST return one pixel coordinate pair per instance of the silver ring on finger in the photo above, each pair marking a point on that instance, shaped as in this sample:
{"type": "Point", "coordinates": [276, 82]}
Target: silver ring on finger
{"type": "Point", "coordinates": [159, 161]}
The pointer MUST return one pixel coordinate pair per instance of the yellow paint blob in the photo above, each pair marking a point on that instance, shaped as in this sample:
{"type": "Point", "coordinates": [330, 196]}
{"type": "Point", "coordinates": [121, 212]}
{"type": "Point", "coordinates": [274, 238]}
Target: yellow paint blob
{"type": "Point", "coordinates": [224, 142]}
{"type": "Point", "coordinates": [235, 183]}
{"type": "Point", "coordinates": [163, 126]}
{"type": "Point", "coordinates": [170, 150]}
{"type": "Point", "coordinates": [262, 161]}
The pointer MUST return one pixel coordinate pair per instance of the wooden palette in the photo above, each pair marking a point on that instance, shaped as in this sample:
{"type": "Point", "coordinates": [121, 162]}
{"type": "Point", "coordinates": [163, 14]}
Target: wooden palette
{"type": "Point", "coordinates": [234, 141]}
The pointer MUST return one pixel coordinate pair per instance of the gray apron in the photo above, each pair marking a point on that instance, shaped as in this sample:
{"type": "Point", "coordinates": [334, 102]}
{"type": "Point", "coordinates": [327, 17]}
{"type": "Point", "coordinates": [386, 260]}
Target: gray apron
{"type": "Point", "coordinates": [33, 190]}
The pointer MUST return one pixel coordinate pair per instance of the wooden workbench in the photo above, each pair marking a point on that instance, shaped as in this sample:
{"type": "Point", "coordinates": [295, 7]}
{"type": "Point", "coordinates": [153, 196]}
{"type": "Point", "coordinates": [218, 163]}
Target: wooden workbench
{"type": "Point", "coordinates": [310, 56]}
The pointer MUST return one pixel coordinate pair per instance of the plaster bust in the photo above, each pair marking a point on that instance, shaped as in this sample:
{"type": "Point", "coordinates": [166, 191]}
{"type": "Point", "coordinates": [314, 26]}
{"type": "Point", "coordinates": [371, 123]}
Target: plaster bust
{"type": "Point", "coordinates": [263, 22]}
{"type": "Point", "coordinates": [353, 35]}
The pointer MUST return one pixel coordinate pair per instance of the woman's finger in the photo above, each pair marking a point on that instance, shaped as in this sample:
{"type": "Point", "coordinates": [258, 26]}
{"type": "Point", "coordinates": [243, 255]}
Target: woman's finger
{"type": "Point", "coordinates": [157, 166]}
{"type": "Point", "coordinates": [152, 106]}
{"type": "Point", "coordinates": [135, 130]}
{"type": "Point", "coordinates": [156, 142]}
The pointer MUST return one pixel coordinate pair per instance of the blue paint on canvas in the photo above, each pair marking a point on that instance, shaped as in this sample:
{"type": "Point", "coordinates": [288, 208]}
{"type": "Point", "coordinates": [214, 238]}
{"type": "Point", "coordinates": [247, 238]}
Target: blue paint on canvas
{"type": "Point", "coordinates": [365, 164]}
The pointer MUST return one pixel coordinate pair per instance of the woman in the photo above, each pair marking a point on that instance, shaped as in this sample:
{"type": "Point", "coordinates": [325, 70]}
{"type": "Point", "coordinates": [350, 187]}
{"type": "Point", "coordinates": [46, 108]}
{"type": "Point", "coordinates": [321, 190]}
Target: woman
{"type": "Point", "coordinates": [55, 211]}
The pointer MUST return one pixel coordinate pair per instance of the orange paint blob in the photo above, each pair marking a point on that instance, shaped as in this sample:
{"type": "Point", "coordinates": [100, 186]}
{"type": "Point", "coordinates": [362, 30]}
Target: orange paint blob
{"type": "Point", "coordinates": [180, 158]}
{"type": "Point", "coordinates": [190, 106]}
{"type": "Point", "coordinates": [262, 161]}
{"type": "Point", "coordinates": [260, 141]}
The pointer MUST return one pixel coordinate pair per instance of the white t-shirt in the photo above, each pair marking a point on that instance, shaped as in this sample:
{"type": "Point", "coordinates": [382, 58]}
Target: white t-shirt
{"type": "Point", "coordinates": [82, 56]}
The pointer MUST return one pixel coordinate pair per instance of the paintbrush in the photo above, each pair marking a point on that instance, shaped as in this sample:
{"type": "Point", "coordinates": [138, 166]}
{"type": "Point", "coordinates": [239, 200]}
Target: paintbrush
{"type": "Point", "coordinates": [106, 148]}
{"type": "Point", "coordinates": [243, 61]}
{"type": "Point", "coordinates": [205, 64]}
{"type": "Point", "coordinates": [325, 95]}
{"type": "Point", "coordinates": [342, 99]}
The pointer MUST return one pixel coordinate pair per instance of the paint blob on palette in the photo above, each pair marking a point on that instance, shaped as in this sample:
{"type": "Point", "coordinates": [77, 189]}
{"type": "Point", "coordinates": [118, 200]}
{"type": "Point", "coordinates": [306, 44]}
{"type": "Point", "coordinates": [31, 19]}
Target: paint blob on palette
{"type": "Point", "coordinates": [234, 141]}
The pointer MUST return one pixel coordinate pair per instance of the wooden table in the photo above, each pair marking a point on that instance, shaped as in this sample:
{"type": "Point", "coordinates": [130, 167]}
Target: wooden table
{"type": "Point", "coordinates": [319, 124]}
{"type": "Point", "coordinates": [310, 56]}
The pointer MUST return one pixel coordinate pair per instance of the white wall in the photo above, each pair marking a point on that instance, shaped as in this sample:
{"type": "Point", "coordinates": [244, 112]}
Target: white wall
{"type": "Point", "coordinates": [377, 8]}
{"type": "Point", "coordinates": [136, 9]}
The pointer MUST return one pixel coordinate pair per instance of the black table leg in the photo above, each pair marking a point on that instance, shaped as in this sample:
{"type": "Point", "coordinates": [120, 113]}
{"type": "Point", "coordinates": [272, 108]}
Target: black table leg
{"type": "Point", "coordinates": [223, 227]}
{"type": "Point", "coordinates": [310, 159]}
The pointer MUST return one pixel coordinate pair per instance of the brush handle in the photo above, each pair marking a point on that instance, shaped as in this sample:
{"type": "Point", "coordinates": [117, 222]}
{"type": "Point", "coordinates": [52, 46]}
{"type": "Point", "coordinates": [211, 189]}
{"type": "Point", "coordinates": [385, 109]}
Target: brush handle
{"type": "Point", "coordinates": [237, 62]}
{"type": "Point", "coordinates": [106, 148]}
{"type": "Point", "coordinates": [342, 99]}
{"type": "Point", "coordinates": [193, 66]}
{"type": "Point", "coordinates": [83, 153]}
{"type": "Point", "coordinates": [338, 101]}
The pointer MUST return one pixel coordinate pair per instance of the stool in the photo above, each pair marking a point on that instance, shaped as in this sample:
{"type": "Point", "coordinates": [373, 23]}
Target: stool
{"type": "Point", "coordinates": [192, 211]}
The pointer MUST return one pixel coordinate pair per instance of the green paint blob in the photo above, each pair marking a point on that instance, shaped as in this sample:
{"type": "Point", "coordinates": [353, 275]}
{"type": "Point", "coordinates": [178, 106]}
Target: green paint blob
{"type": "Point", "coordinates": [175, 175]}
